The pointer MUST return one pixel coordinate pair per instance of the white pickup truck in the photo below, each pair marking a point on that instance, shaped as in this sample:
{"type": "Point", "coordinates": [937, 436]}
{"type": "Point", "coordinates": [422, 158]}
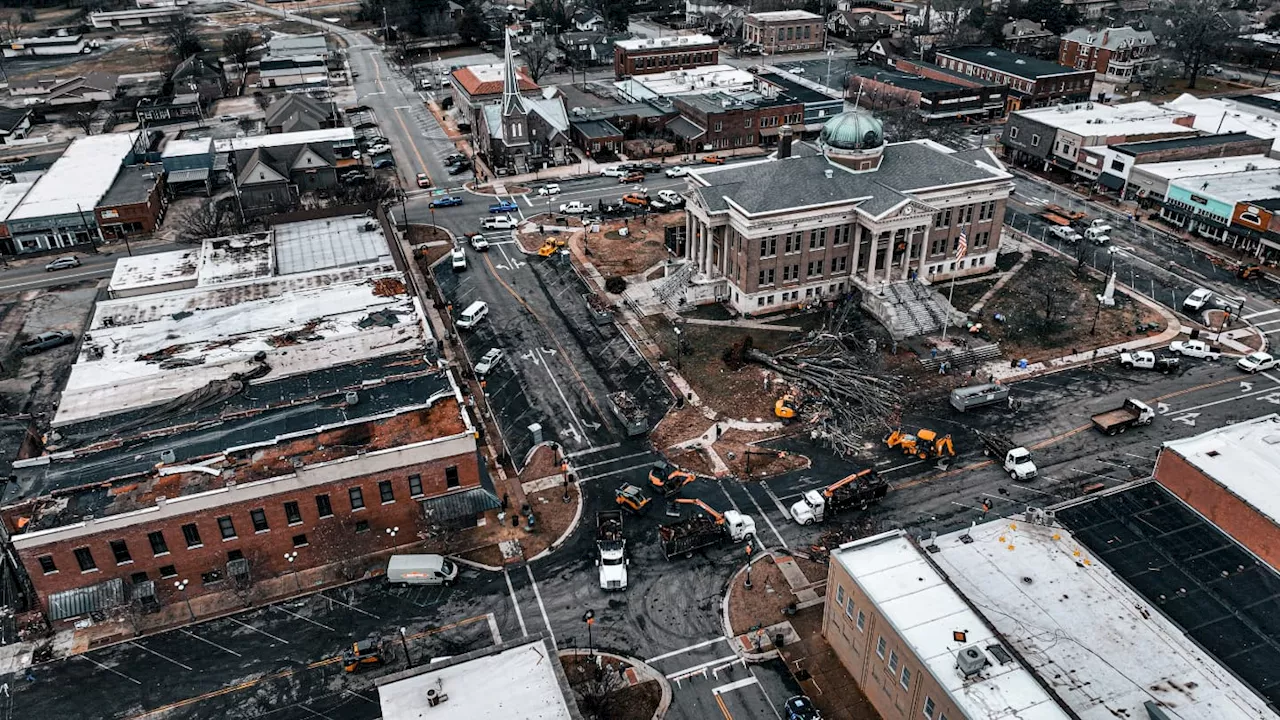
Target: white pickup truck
{"type": "Point", "coordinates": [575, 207]}
{"type": "Point", "coordinates": [1196, 349]}
{"type": "Point", "coordinates": [1065, 233]}
{"type": "Point", "coordinates": [1147, 360]}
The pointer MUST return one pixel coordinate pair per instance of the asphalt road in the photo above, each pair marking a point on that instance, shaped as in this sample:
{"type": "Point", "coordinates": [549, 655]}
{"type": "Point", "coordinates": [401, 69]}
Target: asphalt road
{"type": "Point", "coordinates": [30, 274]}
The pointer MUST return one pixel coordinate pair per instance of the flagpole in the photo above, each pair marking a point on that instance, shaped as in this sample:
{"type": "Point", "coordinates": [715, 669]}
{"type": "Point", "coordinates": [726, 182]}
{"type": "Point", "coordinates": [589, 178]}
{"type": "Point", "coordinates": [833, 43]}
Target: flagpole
{"type": "Point", "coordinates": [961, 251]}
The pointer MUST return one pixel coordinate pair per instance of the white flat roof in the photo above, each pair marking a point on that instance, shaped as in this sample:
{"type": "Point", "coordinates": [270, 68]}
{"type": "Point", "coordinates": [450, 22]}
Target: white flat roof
{"type": "Point", "coordinates": [1095, 641]}
{"type": "Point", "coordinates": [187, 146]}
{"type": "Point", "coordinates": [77, 180]}
{"type": "Point", "coordinates": [1243, 458]}
{"type": "Point", "coordinates": [926, 611]}
{"type": "Point", "coordinates": [1233, 187]}
{"type": "Point", "coordinates": [668, 41]}
{"type": "Point", "coordinates": [155, 269]}
{"type": "Point", "coordinates": [1209, 166]}
{"type": "Point", "coordinates": [10, 195]}
{"type": "Point", "coordinates": [694, 81]}
{"type": "Point", "coordinates": [1090, 119]}
{"type": "Point", "coordinates": [1223, 116]}
{"type": "Point", "coordinates": [283, 139]}
{"type": "Point", "coordinates": [328, 243]}
{"type": "Point", "coordinates": [781, 15]}
{"type": "Point", "coordinates": [515, 684]}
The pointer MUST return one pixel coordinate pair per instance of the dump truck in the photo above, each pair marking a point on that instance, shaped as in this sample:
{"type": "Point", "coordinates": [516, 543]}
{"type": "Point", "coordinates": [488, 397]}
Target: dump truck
{"type": "Point", "coordinates": [1015, 459]}
{"type": "Point", "coordinates": [861, 490]}
{"type": "Point", "coordinates": [613, 550]}
{"type": "Point", "coordinates": [692, 534]}
{"type": "Point", "coordinates": [635, 419]}
{"type": "Point", "coordinates": [1132, 412]}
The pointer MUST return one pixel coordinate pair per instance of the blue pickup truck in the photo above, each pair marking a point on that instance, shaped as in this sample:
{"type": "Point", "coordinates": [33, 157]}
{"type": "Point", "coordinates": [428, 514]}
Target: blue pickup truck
{"type": "Point", "coordinates": [505, 206]}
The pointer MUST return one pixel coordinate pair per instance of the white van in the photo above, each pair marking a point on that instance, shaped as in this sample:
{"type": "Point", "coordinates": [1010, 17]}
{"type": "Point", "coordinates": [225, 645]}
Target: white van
{"type": "Point", "coordinates": [405, 570]}
{"type": "Point", "coordinates": [458, 257]}
{"type": "Point", "coordinates": [474, 313]}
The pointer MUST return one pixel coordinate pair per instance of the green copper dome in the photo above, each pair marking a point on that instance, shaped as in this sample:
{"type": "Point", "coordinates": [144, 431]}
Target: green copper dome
{"type": "Point", "coordinates": [853, 130]}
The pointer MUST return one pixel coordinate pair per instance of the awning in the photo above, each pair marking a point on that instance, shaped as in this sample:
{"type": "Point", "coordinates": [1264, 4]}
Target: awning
{"type": "Point", "coordinates": [82, 601]}
{"type": "Point", "coordinates": [460, 504]}
{"type": "Point", "coordinates": [685, 129]}
{"type": "Point", "coordinates": [193, 175]}
{"type": "Point", "coordinates": [1115, 182]}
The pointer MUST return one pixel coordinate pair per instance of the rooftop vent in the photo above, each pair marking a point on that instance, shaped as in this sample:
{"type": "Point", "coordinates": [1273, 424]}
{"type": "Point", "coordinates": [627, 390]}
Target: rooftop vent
{"type": "Point", "coordinates": [1019, 61]}
{"type": "Point", "coordinates": [167, 456]}
{"type": "Point", "coordinates": [991, 53]}
{"type": "Point", "coordinates": [971, 660]}
{"type": "Point", "coordinates": [1001, 655]}
{"type": "Point", "coordinates": [829, 173]}
{"type": "Point", "coordinates": [435, 697]}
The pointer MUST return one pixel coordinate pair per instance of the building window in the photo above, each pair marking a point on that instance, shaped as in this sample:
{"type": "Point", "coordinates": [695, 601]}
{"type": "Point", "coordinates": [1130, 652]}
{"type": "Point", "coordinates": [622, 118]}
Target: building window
{"type": "Point", "coordinates": [862, 621]}
{"type": "Point", "coordinates": [357, 498]}
{"type": "Point", "coordinates": [323, 508]}
{"type": "Point", "coordinates": [719, 126]}
{"type": "Point", "coordinates": [839, 595]}
{"type": "Point", "coordinates": [746, 123]}
{"type": "Point", "coordinates": [839, 264]}
{"type": "Point", "coordinates": [158, 545]}
{"type": "Point", "coordinates": [1117, 166]}
{"type": "Point", "coordinates": [120, 550]}
{"type": "Point", "coordinates": [792, 243]}
{"type": "Point", "coordinates": [815, 268]}
{"type": "Point", "coordinates": [415, 485]}
{"type": "Point", "coordinates": [905, 680]}
{"type": "Point", "coordinates": [848, 607]}
{"type": "Point", "coordinates": [1035, 140]}
{"type": "Point", "coordinates": [47, 565]}
{"type": "Point", "coordinates": [362, 526]}
{"type": "Point", "coordinates": [986, 210]}
{"type": "Point", "coordinates": [966, 214]}
{"type": "Point", "coordinates": [766, 277]}
{"type": "Point", "coordinates": [192, 535]}
{"type": "Point", "coordinates": [300, 540]}
{"type": "Point", "coordinates": [769, 246]}
{"type": "Point", "coordinates": [893, 661]}
{"type": "Point", "coordinates": [937, 246]}
{"type": "Point", "coordinates": [942, 219]}
{"type": "Point", "coordinates": [982, 239]}
{"type": "Point", "coordinates": [880, 645]}
{"type": "Point", "coordinates": [818, 239]}
{"type": "Point", "coordinates": [388, 495]}
{"type": "Point", "coordinates": [1013, 133]}
{"type": "Point", "coordinates": [451, 477]}
{"type": "Point", "coordinates": [929, 707]}
{"type": "Point", "coordinates": [226, 528]}
{"type": "Point", "coordinates": [233, 555]}
{"type": "Point", "coordinates": [211, 577]}
{"type": "Point", "coordinates": [259, 518]}
{"type": "Point", "coordinates": [85, 559]}
{"type": "Point", "coordinates": [168, 571]}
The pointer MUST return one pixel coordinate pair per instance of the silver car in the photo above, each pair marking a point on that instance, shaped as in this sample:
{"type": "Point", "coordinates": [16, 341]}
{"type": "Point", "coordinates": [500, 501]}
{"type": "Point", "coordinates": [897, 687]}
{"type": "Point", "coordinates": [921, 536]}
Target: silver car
{"type": "Point", "coordinates": [488, 362]}
{"type": "Point", "coordinates": [63, 263]}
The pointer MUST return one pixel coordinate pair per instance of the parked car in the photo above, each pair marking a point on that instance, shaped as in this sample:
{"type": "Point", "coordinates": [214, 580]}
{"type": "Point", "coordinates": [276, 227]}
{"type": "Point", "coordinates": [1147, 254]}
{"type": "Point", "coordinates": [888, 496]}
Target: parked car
{"type": "Point", "coordinates": [62, 263]}
{"type": "Point", "coordinates": [498, 222]}
{"type": "Point", "coordinates": [548, 190]}
{"type": "Point", "coordinates": [676, 171]}
{"type": "Point", "coordinates": [454, 159]}
{"type": "Point", "coordinates": [458, 257]}
{"type": "Point", "coordinates": [47, 341]}
{"type": "Point", "coordinates": [478, 242]}
{"type": "Point", "coordinates": [576, 207]}
{"type": "Point", "coordinates": [424, 180]}
{"type": "Point", "coordinates": [636, 198]}
{"type": "Point", "coordinates": [1066, 234]}
{"type": "Point", "coordinates": [379, 149]}
{"type": "Point", "coordinates": [503, 206]}
{"type": "Point", "coordinates": [631, 177]}
{"type": "Point", "coordinates": [1147, 360]}
{"type": "Point", "coordinates": [1196, 301]}
{"type": "Point", "coordinates": [712, 160]}
{"type": "Point", "coordinates": [446, 201]}
{"type": "Point", "coordinates": [353, 177]}
{"type": "Point", "coordinates": [651, 167]}
{"type": "Point", "coordinates": [384, 162]}
{"type": "Point", "coordinates": [612, 172]}
{"type": "Point", "coordinates": [1195, 348]}
{"type": "Point", "coordinates": [488, 361]}
{"type": "Point", "coordinates": [460, 167]}
{"type": "Point", "coordinates": [796, 69]}
{"type": "Point", "coordinates": [1256, 362]}
{"type": "Point", "coordinates": [801, 707]}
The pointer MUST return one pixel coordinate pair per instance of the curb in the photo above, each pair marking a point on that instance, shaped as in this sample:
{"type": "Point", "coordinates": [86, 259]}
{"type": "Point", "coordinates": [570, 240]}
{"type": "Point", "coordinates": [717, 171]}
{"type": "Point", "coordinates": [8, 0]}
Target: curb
{"type": "Point", "coordinates": [473, 564]}
{"type": "Point", "coordinates": [727, 626]}
{"type": "Point", "coordinates": [573, 526]}
{"type": "Point", "coordinates": [642, 670]}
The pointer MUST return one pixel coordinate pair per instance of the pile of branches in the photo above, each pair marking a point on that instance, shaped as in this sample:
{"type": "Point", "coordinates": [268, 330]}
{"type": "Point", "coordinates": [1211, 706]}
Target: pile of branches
{"type": "Point", "coordinates": [843, 392]}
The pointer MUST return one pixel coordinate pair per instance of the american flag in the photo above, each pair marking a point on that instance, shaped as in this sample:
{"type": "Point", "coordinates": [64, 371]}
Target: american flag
{"type": "Point", "coordinates": [962, 246]}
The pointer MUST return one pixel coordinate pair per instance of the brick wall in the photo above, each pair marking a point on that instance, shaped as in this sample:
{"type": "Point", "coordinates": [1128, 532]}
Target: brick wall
{"type": "Point", "coordinates": [327, 540]}
{"type": "Point", "coordinates": [933, 73]}
{"type": "Point", "coordinates": [136, 219]}
{"type": "Point", "coordinates": [1246, 146]}
{"type": "Point", "coordinates": [662, 59]}
{"type": "Point", "coordinates": [1220, 506]}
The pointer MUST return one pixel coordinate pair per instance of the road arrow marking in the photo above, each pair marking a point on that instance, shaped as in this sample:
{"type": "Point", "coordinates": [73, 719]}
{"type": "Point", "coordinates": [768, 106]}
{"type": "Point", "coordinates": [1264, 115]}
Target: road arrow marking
{"type": "Point", "coordinates": [1273, 398]}
{"type": "Point", "coordinates": [1245, 386]}
{"type": "Point", "coordinates": [549, 351]}
{"type": "Point", "coordinates": [1162, 408]}
{"type": "Point", "coordinates": [1189, 419]}
{"type": "Point", "coordinates": [591, 425]}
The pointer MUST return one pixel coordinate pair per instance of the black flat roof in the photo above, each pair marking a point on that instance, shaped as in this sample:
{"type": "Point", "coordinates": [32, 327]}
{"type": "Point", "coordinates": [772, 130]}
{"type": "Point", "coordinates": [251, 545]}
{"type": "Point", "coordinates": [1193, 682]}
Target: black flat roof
{"type": "Point", "coordinates": [1184, 142]}
{"type": "Point", "coordinates": [898, 78]}
{"type": "Point", "coordinates": [797, 91]}
{"type": "Point", "coordinates": [133, 185]}
{"type": "Point", "coordinates": [1222, 596]}
{"type": "Point", "coordinates": [1265, 103]}
{"type": "Point", "coordinates": [1009, 62]}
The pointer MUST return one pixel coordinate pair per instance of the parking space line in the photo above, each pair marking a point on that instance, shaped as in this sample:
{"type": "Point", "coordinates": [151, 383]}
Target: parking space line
{"type": "Point", "coordinates": [352, 607]}
{"type": "Point", "coordinates": [576, 420]}
{"type": "Point", "coordinates": [110, 670]}
{"type": "Point", "coordinates": [683, 650]}
{"type": "Point", "coordinates": [210, 642]}
{"type": "Point", "coordinates": [303, 618]}
{"type": "Point", "coordinates": [781, 508]}
{"type": "Point", "coordinates": [493, 629]}
{"type": "Point", "coordinates": [524, 631]}
{"type": "Point", "coordinates": [588, 451]}
{"type": "Point", "coordinates": [161, 656]}
{"type": "Point", "coordinates": [703, 666]}
{"type": "Point", "coordinates": [257, 630]}
{"type": "Point", "coordinates": [732, 503]}
{"type": "Point", "coordinates": [580, 468]}
{"type": "Point", "coordinates": [735, 685]}
{"type": "Point", "coordinates": [542, 608]}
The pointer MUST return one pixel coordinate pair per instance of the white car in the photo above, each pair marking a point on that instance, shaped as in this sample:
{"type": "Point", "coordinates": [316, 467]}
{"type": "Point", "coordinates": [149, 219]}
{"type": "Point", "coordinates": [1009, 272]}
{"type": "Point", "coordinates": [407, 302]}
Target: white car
{"type": "Point", "coordinates": [478, 242]}
{"type": "Point", "coordinates": [379, 149]}
{"type": "Point", "coordinates": [614, 171]}
{"type": "Point", "coordinates": [1065, 233]}
{"type": "Point", "coordinates": [1196, 349]}
{"type": "Point", "coordinates": [549, 190]}
{"type": "Point", "coordinates": [576, 207]}
{"type": "Point", "coordinates": [677, 171]}
{"type": "Point", "coordinates": [62, 263]}
{"type": "Point", "coordinates": [458, 257]}
{"type": "Point", "coordinates": [1256, 362]}
{"type": "Point", "coordinates": [669, 196]}
{"type": "Point", "coordinates": [488, 362]}
{"type": "Point", "coordinates": [1197, 300]}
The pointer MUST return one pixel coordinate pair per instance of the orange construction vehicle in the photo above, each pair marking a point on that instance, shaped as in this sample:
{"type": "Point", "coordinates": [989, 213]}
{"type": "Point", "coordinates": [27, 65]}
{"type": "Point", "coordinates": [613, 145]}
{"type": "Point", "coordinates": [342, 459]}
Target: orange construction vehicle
{"type": "Point", "coordinates": [667, 479]}
{"type": "Point", "coordinates": [366, 653]}
{"type": "Point", "coordinates": [924, 444]}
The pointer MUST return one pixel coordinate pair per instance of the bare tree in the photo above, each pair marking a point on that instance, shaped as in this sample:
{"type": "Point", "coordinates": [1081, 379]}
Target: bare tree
{"type": "Point", "coordinates": [1197, 31]}
{"type": "Point", "coordinates": [13, 26]}
{"type": "Point", "coordinates": [953, 20]}
{"type": "Point", "coordinates": [237, 44]}
{"type": "Point", "coordinates": [374, 189]}
{"type": "Point", "coordinates": [210, 219]}
{"type": "Point", "coordinates": [180, 36]}
{"type": "Point", "coordinates": [597, 689]}
{"type": "Point", "coordinates": [539, 56]}
{"type": "Point", "coordinates": [84, 121]}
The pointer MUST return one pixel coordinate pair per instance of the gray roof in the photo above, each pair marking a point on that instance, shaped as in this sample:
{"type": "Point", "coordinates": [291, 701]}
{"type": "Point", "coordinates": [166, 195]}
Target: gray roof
{"type": "Point", "coordinates": [1111, 38]}
{"type": "Point", "coordinates": [295, 112]}
{"type": "Point", "coordinates": [133, 185]}
{"type": "Point", "coordinates": [685, 128]}
{"type": "Point", "coordinates": [1008, 62]}
{"type": "Point", "coordinates": [776, 185]}
{"type": "Point", "coordinates": [1184, 142]}
{"type": "Point", "coordinates": [11, 118]}
{"type": "Point", "coordinates": [82, 601]}
{"type": "Point", "coordinates": [596, 128]}
{"type": "Point", "coordinates": [455, 505]}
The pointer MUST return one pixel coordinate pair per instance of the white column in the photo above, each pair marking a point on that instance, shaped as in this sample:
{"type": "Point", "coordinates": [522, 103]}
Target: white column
{"type": "Point", "coordinates": [688, 235]}
{"type": "Point", "coordinates": [857, 250]}
{"type": "Point", "coordinates": [906, 256]}
{"type": "Point", "coordinates": [871, 259]}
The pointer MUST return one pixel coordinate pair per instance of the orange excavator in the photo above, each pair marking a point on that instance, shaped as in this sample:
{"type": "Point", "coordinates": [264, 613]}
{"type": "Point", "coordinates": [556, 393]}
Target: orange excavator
{"type": "Point", "coordinates": [667, 479]}
{"type": "Point", "coordinates": [924, 444]}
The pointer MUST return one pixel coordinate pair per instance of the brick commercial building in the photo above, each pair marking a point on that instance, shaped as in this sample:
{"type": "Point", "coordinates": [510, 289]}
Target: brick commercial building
{"type": "Point", "coordinates": [1116, 163]}
{"type": "Point", "coordinates": [785, 31]}
{"type": "Point", "coordinates": [1116, 55]}
{"type": "Point", "coordinates": [642, 56]}
{"type": "Point", "coordinates": [135, 204]}
{"type": "Point", "coordinates": [1229, 476]}
{"type": "Point", "coordinates": [1076, 137]}
{"type": "Point", "coordinates": [258, 405]}
{"type": "Point", "coordinates": [1032, 82]}
{"type": "Point", "coordinates": [938, 97]}
{"type": "Point", "coordinates": [727, 122]}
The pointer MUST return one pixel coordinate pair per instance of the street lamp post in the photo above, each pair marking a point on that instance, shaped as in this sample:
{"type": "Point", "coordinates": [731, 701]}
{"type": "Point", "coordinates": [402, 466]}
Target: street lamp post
{"type": "Point", "coordinates": [747, 584]}
{"type": "Point", "coordinates": [589, 617]}
{"type": "Point", "coordinates": [679, 346]}
{"type": "Point", "coordinates": [182, 588]}
{"type": "Point", "coordinates": [392, 532]}
{"type": "Point", "coordinates": [404, 640]}
{"type": "Point", "coordinates": [291, 557]}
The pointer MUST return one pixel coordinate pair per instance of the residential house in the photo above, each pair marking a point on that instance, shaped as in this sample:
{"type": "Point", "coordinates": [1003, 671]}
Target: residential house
{"type": "Point", "coordinates": [293, 71]}
{"type": "Point", "coordinates": [270, 180]}
{"type": "Point", "coordinates": [91, 87]}
{"type": "Point", "coordinates": [15, 123]}
{"type": "Point", "coordinates": [1116, 55]}
{"type": "Point", "coordinates": [194, 75]}
{"type": "Point", "coordinates": [587, 20]}
{"type": "Point", "coordinates": [295, 112]}
{"type": "Point", "coordinates": [1029, 37]}
{"type": "Point", "coordinates": [1032, 82]}
{"type": "Point", "coordinates": [138, 17]}
{"type": "Point", "coordinates": [177, 109]}
{"type": "Point", "coordinates": [46, 46]}
{"type": "Point", "coordinates": [585, 49]}
{"type": "Point", "coordinates": [189, 165]}
{"type": "Point", "coordinates": [785, 31]}
{"type": "Point", "coordinates": [863, 25]}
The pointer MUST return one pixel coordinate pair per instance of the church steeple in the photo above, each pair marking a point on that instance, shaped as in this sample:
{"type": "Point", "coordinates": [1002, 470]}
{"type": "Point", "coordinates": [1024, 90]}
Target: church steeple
{"type": "Point", "coordinates": [512, 101]}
